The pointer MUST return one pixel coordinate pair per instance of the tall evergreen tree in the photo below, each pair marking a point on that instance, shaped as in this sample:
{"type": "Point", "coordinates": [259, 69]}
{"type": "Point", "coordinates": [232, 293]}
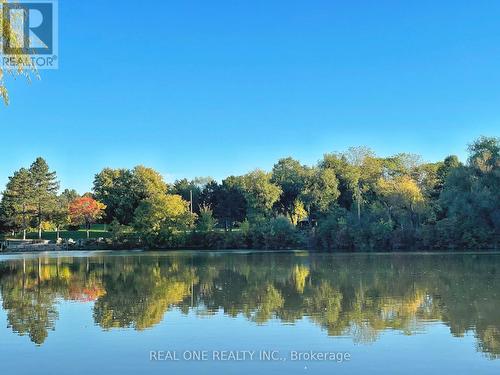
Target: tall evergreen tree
{"type": "Point", "coordinates": [18, 199]}
{"type": "Point", "coordinates": [45, 187]}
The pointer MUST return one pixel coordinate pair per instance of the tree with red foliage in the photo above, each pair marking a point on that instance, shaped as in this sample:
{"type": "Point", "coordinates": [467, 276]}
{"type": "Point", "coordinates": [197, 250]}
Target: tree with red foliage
{"type": "Point", "coordinates": [85, 211]}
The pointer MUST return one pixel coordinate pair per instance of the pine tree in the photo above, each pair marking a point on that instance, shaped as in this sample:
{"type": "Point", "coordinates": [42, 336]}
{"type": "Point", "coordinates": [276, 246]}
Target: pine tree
{"type": "Point", "coordinates": [18, 200]}
{"type": "Point", "coordinates": [45, 187]}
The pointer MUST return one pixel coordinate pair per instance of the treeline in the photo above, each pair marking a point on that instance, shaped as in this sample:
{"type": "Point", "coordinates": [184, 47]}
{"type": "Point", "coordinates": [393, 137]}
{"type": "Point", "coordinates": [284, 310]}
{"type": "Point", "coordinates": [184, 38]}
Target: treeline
{"type": "Point", "coordinates": [352, 200]}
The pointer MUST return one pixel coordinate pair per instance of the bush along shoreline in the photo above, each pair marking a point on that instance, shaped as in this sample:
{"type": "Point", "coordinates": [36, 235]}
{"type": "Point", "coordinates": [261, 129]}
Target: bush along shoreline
{"type": "Point", "coordinates": [349, 201]}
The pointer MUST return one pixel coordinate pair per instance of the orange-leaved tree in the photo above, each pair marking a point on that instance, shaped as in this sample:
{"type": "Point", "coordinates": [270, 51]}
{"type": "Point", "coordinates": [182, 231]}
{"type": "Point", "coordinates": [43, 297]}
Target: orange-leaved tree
{"type": "Point", "coordinates": [85, 211]}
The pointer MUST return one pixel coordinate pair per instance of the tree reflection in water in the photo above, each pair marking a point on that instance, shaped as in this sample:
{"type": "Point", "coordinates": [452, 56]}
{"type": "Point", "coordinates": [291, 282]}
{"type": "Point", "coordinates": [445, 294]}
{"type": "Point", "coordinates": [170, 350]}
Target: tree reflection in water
{"type": "Point", "coordinates": [350, 295]}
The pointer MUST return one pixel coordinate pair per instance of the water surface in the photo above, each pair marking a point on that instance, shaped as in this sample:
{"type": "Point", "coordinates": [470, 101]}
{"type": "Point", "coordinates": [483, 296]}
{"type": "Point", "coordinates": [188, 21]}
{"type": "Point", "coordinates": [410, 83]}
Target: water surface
{"type": "Point", "coordinates": [102, 312]}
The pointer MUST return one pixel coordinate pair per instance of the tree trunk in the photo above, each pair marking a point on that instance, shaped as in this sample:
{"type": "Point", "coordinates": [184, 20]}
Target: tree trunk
{"type": "Point", "coordinates": [358, 202]}
{"type": "Point", "coordinates": [389, 213]}
{"type": "Point", "coordinates": [24, 222]}
{"type": "Point", "coordinates": [309, 219]}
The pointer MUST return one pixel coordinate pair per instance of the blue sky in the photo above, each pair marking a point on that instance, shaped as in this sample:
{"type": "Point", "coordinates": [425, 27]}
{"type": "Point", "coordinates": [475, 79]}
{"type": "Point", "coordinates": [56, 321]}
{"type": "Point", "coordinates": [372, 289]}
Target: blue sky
{"type": "Point", "coordinates": [197, 88]}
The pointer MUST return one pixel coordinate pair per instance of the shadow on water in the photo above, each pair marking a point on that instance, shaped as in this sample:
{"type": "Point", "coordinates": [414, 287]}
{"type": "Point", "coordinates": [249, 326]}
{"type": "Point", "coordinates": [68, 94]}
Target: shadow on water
{"type": "Point", "coordinates": [357, 296]}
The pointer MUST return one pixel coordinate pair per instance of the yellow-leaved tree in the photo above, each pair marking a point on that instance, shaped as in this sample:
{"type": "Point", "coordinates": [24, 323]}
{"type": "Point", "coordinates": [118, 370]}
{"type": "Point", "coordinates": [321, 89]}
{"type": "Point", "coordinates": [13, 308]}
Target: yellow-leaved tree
{"type": "Point", "coordinates": [20, 64]}
{"type": "Point", "coordinates": [401, 194]}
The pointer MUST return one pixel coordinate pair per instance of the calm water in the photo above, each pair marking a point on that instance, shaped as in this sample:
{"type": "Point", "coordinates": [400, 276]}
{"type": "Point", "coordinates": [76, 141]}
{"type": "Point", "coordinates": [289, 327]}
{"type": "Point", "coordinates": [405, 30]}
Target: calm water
{"type": "Point", "coordinates": [387, 314]}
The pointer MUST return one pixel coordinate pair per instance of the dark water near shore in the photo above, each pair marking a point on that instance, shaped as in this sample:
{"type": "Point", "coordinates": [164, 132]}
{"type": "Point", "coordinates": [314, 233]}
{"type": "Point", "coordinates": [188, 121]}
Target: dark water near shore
{"type": "Point", "coordinates": [384, 313]}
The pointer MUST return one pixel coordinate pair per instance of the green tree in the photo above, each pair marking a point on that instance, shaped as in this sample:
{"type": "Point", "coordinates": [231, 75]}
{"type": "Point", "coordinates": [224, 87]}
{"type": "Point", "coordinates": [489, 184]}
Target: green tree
{"type": "Point", "coordinates": [45, 187]}
{"type": "Point", "coordinates": [191, 191]}
{"type": "Point", "coordinates": [337, 163]}
{"type": "Point", "coordinates": [363, 170]}
{"type": "Point", "coordinates": [227, 201]}
{"type": "Point", "coordinates": [165, 213]}
{"type": "Point", "coordinates": [402, 164]}
{"type": "Point", "coordinates": [290, 176]}
{"type": "Point", "coordinates": [122, 190]}
{"type": "Point", "coordinates": [60, 215]}
{"type": "Point", "coordinates": [320, 191]}
{"type": "Point", "coordinates": [147, 182]}
{"type": "Point", "coordinates": [484, 154]}
{"type": "Point", "coordinates": [206, 221]}
{"type": "Point", "coordinates": [114, 188]}
{"type": "Point", "coordinates": [471, 197]}
{"type": "Point", "coordinates": [449, 164]}
{"type": "Point", "coordinates": [18, 200]}
{"type": "Point", "coordinates": [260, 193]}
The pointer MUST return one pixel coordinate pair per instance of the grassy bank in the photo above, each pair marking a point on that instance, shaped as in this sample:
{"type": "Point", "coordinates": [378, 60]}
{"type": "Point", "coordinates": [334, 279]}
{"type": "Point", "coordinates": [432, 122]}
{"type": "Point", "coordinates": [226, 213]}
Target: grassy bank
{"type": "Point", "coordinates": [96, 231]}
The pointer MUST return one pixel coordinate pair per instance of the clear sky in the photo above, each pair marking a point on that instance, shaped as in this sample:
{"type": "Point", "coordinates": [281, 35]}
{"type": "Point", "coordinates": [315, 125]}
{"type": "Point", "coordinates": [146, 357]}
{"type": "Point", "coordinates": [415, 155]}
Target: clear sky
{"type": "Point", "coordinates": [197, 88]}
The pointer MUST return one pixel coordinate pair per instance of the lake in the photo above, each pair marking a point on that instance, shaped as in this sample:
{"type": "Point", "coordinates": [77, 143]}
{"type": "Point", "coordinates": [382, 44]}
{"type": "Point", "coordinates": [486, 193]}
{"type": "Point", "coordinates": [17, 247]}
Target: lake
{"type": "Point", "coordinates": [249, 312]}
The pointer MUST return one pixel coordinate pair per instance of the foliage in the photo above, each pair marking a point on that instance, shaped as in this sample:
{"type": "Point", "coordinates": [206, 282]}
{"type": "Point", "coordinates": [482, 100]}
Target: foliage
{"type": "Point", "coordinates": [122, 190]}
{"type": "Point", "coordinates": [227, 201]}
{"type": "Point", "coordinates": [45, 187]}
{"type": "Point", "coordinates": [402, 198]}
{"type": "Point", "coordinates": [11, 33]}
{"type": "Point", "coordinates": [60, 214]}
{"type": "Point", "coordinates": [352, 201]}
{"type": "Point", "coordinates": [260, 194]}
{"type": "Point", "coordinates": [320, 191]}
{"type": "Point", "coordinates": [277, 233]}
{"type": "Point", "coordinates": [85, 211]}
{"type": "Point", "coordinates": [206, 221]}
{"type": "Point", "coordinates": [118, 231]}
{"type": "Point", "coordinates": [290, 176]}
{"type": "Point", "coordinates": [18, 201]}
{"type": "Point", "coordinates": [191, 190]}
{"type": "Point", "coordinates": [158, 217]}
{"type": "Point", "coordinates": [470, 199]}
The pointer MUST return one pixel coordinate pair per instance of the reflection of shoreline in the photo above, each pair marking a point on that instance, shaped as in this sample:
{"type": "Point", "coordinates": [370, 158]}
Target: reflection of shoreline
{"type": "Point", "coordinates": [90, 251]}
{"type": "Point", "coordinates": [46, 246]}
{"type": "Point", "coordinates": [358, 296]}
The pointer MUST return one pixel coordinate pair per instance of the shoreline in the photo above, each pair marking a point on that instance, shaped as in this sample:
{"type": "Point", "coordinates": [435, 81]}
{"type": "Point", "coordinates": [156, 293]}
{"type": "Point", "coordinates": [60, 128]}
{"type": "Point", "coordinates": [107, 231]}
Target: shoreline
{"type": "Point", "coordinates": [86, 252]}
